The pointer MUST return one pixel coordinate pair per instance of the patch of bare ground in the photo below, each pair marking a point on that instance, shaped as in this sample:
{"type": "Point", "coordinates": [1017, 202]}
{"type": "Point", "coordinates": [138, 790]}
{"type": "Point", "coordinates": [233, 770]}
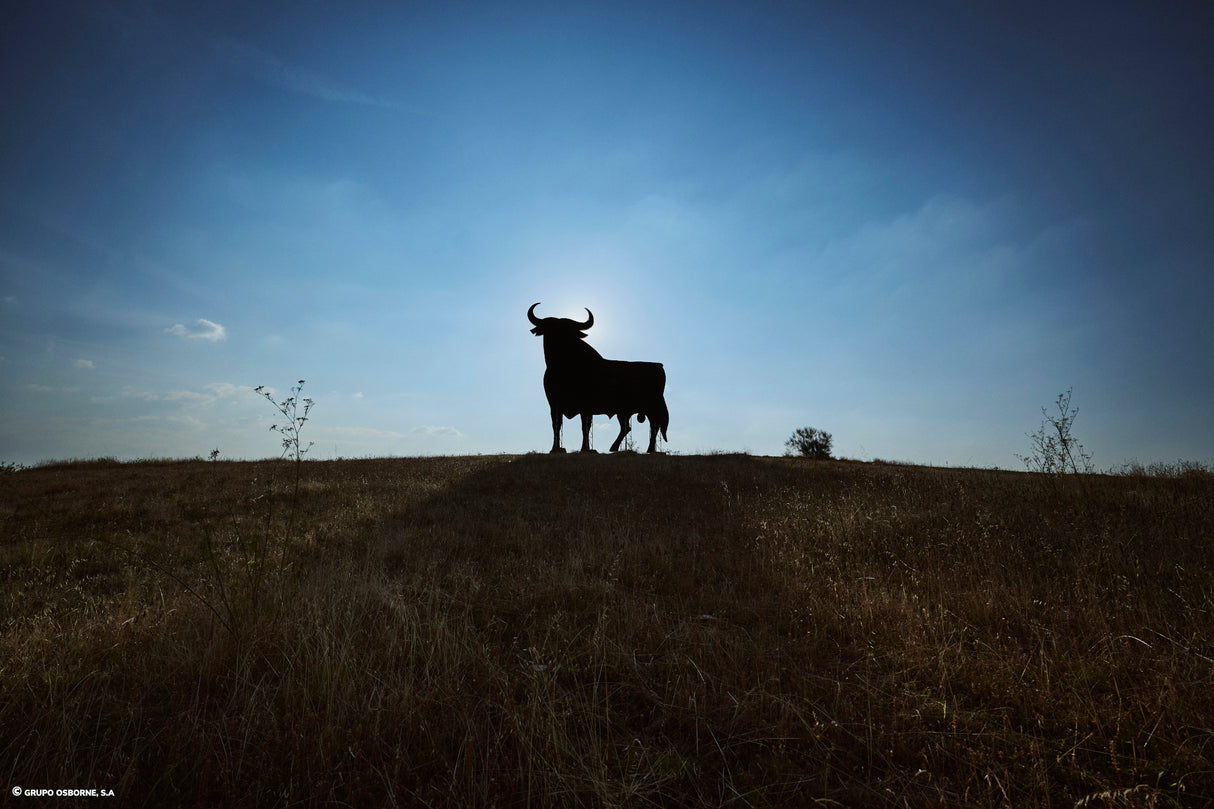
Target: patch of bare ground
{"type": "Point", "coordinates": [607, 631]}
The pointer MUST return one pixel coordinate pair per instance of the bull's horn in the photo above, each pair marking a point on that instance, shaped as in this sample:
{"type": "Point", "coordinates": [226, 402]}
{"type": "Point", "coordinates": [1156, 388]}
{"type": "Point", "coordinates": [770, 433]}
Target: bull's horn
{"type": "Point", "coordinates": [589, 322]}
{"type": "Point", "coordinates": [531, 314]}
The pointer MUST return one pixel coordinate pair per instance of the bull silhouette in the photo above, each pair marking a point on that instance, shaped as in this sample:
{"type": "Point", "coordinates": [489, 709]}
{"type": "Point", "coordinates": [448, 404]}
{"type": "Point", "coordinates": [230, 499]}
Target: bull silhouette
{"type": "Point", "coordinates": [578, 381]}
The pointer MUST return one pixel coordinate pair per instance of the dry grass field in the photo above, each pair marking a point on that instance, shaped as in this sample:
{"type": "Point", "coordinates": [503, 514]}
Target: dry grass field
{"type": "Point", "coordinates": [606, 631]}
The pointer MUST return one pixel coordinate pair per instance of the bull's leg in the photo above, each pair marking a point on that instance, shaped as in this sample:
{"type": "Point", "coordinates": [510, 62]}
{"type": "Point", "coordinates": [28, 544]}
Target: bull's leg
{"type": "Point", "coordinates": [586, 419]}
{"type": "Point", "coordinates": [653, 436]}
{"type": "Point", "coordinates": [625, 428]}
{"type": "Point", "coordinates": [556, 431]}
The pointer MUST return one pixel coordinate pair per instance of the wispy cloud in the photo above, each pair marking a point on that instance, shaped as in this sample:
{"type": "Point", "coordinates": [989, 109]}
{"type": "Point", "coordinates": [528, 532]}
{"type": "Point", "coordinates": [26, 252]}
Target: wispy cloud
{"type": "Point", "coordinates": [86, 365]}
{"type": "Point", "coordinates": [356, 434]}
{"type": "Point", "coordinates": [431, 430]}
{"type": "Point", "coordinates": [202, 329]}
{"type": "Point", "coordinates": [209, 395]}
{"type": "Point", "coordinates": [288, 76]}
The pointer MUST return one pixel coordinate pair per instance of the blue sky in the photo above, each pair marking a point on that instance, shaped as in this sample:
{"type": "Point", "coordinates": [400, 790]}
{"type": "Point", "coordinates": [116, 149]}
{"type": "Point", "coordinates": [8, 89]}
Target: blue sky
{"type": "Point", "coordinates": [909, 224]}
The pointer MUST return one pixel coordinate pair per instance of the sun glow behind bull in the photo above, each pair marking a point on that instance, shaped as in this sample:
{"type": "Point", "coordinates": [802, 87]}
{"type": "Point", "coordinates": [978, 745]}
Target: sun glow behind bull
{"type": "Point", "coordinates": [602, 278]}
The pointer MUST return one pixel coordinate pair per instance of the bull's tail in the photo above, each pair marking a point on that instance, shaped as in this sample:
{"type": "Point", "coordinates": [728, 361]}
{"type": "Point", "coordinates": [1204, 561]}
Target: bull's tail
{"type": "Point", "coordinates": [661, 417]}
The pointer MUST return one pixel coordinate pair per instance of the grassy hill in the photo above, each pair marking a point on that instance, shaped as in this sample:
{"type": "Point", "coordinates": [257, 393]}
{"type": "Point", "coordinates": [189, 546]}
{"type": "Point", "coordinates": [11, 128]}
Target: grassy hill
{"type": "Point", "coordinates": [606, 631]}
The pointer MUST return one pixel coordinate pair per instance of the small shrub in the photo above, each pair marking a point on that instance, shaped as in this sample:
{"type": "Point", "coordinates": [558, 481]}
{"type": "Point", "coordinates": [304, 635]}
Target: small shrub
{"type": "Point", "coordinates": [809, 442]}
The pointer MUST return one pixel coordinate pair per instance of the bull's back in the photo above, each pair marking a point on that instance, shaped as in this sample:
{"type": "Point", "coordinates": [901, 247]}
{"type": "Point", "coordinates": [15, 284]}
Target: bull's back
{"type": "Point", "coordinates": [629, 387]}
{"type": "Point", "coordinates": [615, 386]}
{"type": "Point", "coordinates": [646, 376]}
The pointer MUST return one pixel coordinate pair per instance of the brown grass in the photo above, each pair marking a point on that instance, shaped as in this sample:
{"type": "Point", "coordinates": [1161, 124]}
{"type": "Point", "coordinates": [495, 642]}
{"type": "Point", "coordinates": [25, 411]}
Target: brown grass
{"type": "Point", "coordinates": [607, 631]}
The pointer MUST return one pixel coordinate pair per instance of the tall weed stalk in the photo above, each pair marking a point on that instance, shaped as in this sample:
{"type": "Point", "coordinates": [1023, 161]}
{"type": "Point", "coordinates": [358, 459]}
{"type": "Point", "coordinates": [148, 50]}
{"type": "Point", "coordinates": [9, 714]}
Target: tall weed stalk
{"type": "Point", "coordinates": [292, 446]}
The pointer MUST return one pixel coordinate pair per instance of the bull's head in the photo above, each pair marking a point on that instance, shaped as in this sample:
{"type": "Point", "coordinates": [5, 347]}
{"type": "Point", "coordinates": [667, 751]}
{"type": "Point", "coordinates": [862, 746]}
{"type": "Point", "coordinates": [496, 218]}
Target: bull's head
{"type": "Point", "coordinates": [558, 325]}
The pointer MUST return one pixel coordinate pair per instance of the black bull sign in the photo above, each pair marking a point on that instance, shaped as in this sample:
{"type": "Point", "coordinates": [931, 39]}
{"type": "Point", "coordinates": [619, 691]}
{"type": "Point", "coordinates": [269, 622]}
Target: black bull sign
{"type": "Point", "coordinates": [580, 382]}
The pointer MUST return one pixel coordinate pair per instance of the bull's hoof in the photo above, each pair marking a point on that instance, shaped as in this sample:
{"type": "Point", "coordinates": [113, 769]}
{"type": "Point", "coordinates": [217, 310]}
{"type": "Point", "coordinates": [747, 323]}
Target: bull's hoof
{"type": "Point", "coordinates": [557, 451]}
{"type": "Point", "coordinates": [588, 452]}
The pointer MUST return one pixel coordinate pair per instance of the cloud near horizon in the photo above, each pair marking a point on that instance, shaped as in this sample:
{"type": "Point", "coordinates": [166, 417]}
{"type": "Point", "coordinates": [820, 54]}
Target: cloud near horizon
{"type": "Point", "coordinates": [208, 395]}
{"type": "Point", "coordinates": [429, 430]}
{"type": "Point", "coordinates": [202, 329]}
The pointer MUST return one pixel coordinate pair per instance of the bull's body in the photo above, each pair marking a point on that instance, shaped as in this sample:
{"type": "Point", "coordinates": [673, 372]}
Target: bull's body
{"type": "Point", "coordinates": [580, 382]}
